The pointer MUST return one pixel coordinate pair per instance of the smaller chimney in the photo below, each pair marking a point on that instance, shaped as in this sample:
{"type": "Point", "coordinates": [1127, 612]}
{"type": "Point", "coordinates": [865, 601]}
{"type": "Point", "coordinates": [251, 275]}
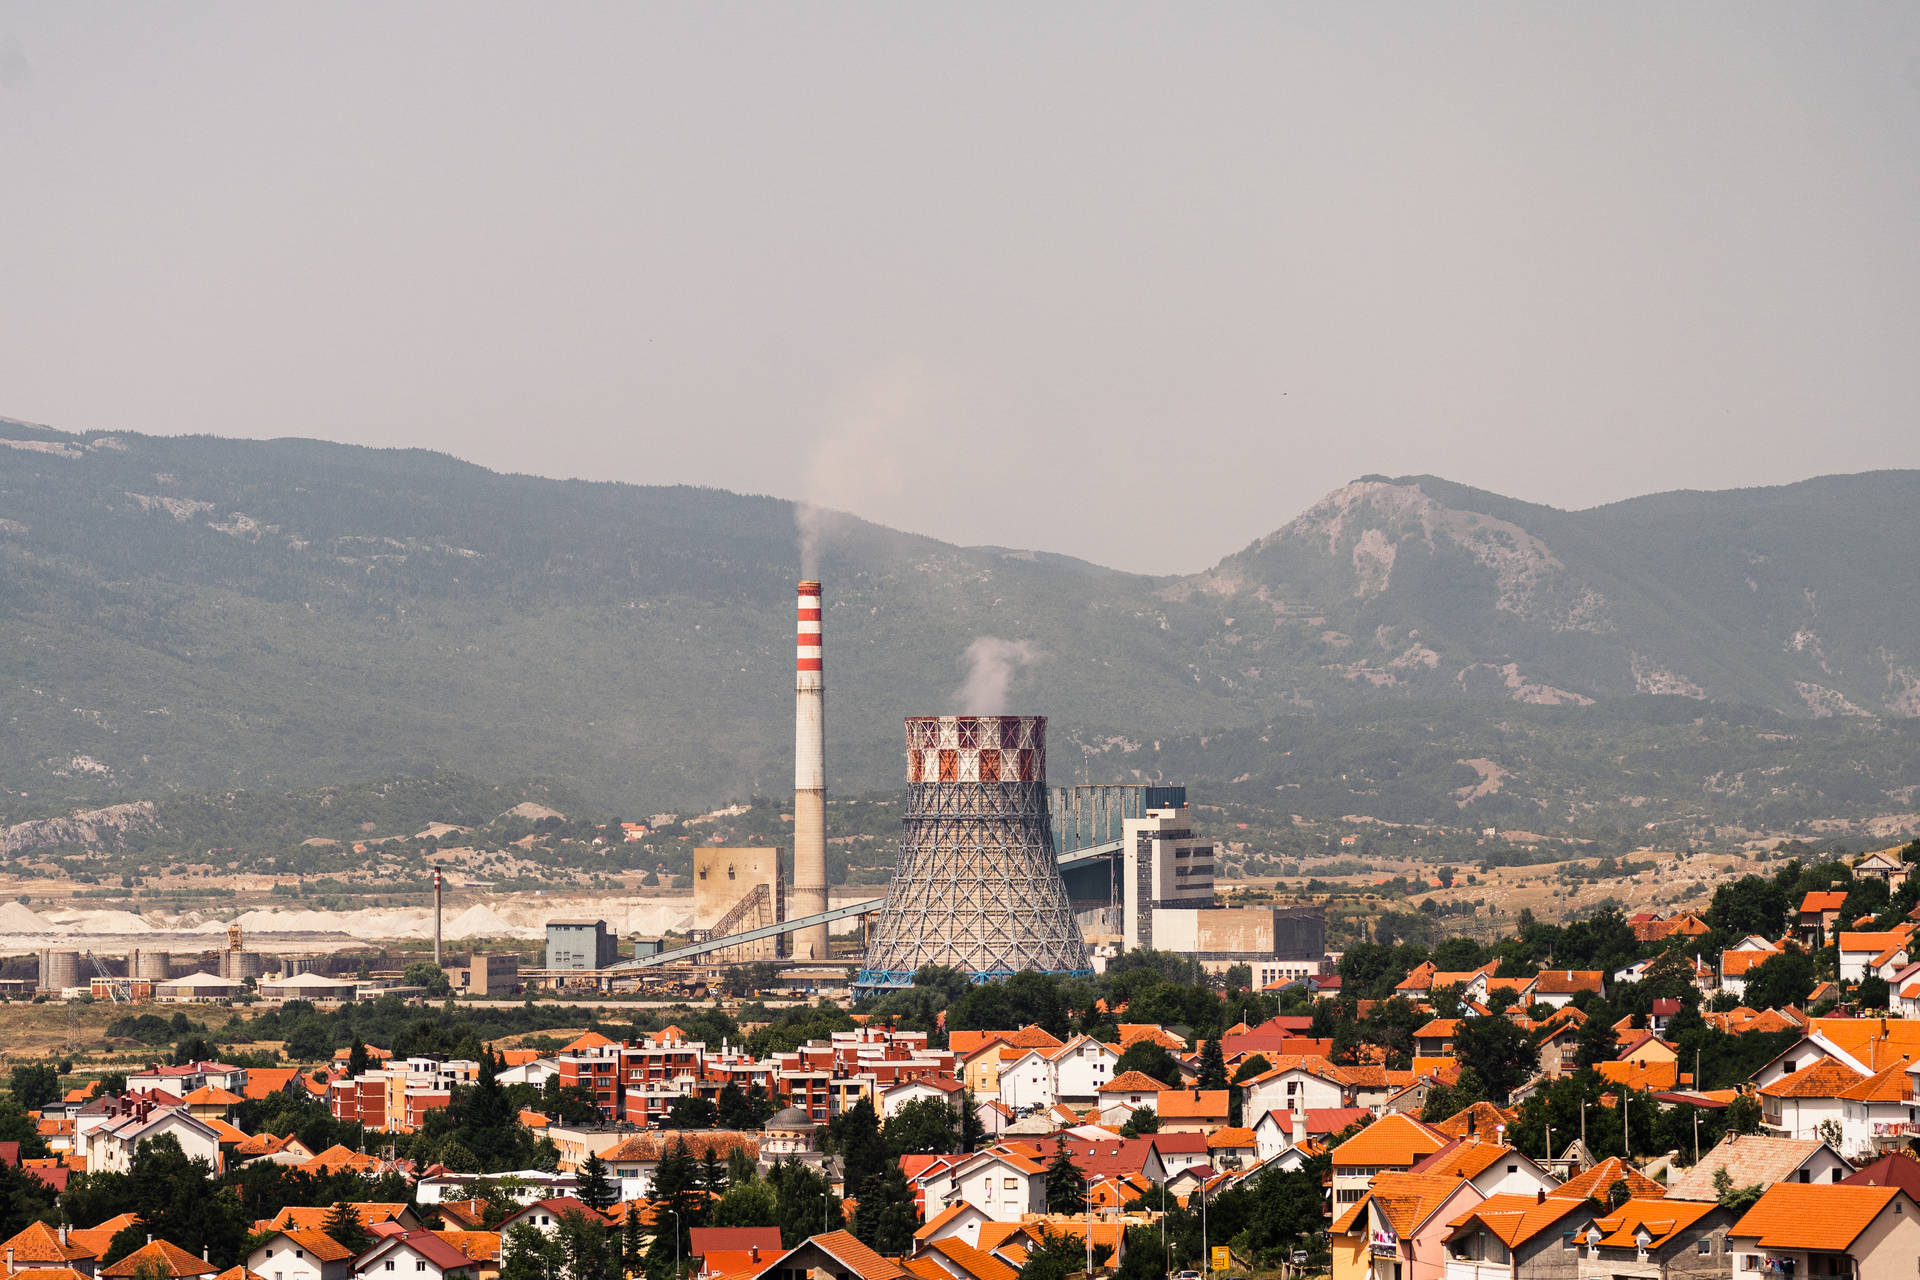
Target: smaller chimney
{"type": "Point", "coordinates": [753, 1253]}
{"type": "Point", "coordinates": [1540, 1196]}
{"type": "Point", "coordinates": [149, 1237]}
{"type": "Point", "coordinates": [9, 1260]}
{"type": "Point", "coordinates": [63, 1233]}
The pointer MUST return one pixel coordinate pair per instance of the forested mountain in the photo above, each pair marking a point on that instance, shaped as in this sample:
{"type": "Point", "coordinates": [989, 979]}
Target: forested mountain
{"type": "Point", "coordinates": [199, 613]}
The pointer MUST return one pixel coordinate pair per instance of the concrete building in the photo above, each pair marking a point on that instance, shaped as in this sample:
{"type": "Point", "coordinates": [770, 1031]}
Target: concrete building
{"type": "Point", "coordinates": [735, 890]}
{"type": "Point", "coordinates": [485, 975]}
{"type": "Point", "coordinates": [581, 944]}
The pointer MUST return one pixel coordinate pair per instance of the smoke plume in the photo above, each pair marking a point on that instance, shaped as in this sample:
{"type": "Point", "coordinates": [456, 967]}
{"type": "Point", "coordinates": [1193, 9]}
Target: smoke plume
{"type": "Point", "coordinates": [992, 666]}
{"type": "Point", "coordinates": [859, 459]}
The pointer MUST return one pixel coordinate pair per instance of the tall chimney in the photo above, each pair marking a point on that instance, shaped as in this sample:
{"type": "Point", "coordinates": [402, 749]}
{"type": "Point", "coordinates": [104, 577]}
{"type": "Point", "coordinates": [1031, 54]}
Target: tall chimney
{"type": "Point", "coordinates": [436, 915]}
{"type": "Point", "coordinates": [809, 779]}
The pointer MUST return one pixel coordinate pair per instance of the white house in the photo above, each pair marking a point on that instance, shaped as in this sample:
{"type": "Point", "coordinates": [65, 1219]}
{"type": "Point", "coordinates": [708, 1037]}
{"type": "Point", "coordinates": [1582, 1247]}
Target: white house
{"type": "Point", "coordinates": [544, 1215]}
{"type": "Point", "coordinates": [899, 1095]}
{"type": "Point", "coordinates": [111, 1147]}
{"type": "Point", "coordinates": [960, 1222]}
{"type": "Point", "coordinates": [1278, 1131]}
{"type": "Point", "coordinates": [1311, 1084]}
{"type": "Point", "coordinates": [1877, 1113]}
{"type": "Point", "coordinates": [1026, 1083]}
{"type": "Point", "coordinates": [534, 1073]}
{"type": "Point", "coordinates": [301, 1255]}
{"type": "Point", "coordinates": [1002, 1186]}
{"type": "Point", "coordinates": [1080, 1067]}
{"type": "Point", "coordinates": [413, 1255]}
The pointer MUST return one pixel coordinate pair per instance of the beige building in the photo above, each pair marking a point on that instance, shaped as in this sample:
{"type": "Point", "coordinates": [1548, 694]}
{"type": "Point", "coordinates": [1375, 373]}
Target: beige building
{"type": "Point", "coordinates": [735, 890]}
{"type": "Point", "coordinates": [488, 975]}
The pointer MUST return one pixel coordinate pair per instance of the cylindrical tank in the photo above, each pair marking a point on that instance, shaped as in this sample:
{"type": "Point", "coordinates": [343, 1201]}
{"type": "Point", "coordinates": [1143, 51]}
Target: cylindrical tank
{"type": "Point", "coordinates": [154, 966]}
{"type": "Point", "coordinates": [59, 970]}
{"type": "Point", "coordinates": [241, 965]}
{"type": "Point", "coordinates": [977, 887]}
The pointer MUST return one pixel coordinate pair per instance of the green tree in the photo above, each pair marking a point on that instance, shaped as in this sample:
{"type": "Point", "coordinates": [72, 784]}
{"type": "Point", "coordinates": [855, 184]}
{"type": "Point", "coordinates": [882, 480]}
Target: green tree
{"type": "Point", "coordinates": [1495, 1050]}
{"type": "Point", "coordinates": [589, 1249]}
{"type": "Point", "coordinates": [1213, 1066]}
{"type": "Point", "coordinates": [528, 1253]}
{"type": "Point", "coordinates": [886, 1220]}
{"type": "Point", "coordinates": [344, 1226]}
{"type": "Point", "coordinates": [1780, 980]}
{"type": "Point", "coordinates": [596, 1188]}
{"type": "Point", "coordinates": [748, 1204]}
{"type": "Point", "coordinates": [35, 1085]}
{"type": "Point", "coordinates": [1149, 1059]}
{"type": "Point", "coordinates": [1143, 1120]}
{"type": "Point", "coordinates": [855, 1133]}
{"type": "Point", "coordinates": [1066, 1188]}
{"type": "Point", "coordinates": [805, 1202]}
{"type": "Point", "coordinates": [357, 1059]}
{"type": "Point", "coordinates": [924, 1126]}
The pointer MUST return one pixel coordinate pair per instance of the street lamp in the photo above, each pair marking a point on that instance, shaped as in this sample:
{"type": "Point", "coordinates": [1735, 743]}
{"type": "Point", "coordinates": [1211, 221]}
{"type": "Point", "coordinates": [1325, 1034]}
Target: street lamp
{"type": "Point", "coordinates": [1550, 1147]}
{"type": "Point", "coordinates": [676, 1243]}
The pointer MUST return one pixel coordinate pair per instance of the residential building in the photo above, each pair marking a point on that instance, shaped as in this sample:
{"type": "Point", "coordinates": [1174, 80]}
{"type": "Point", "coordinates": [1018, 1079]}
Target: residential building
{"type": "Point", "coordinates": [1759, 1161]}
{"type": "Point", "coordinates": [298, 1254]}
{"type": "Point", "coordinates": [1660, 1237]}
{"type": "Point", "coordinates": [1393, 1143]}
{"type": "Point", "coordinates": [1862, 1232]}
{"type": "Point", "coordinates": [1397, 1230]}
{"type": "Point", "coordinates": [413, 1255]}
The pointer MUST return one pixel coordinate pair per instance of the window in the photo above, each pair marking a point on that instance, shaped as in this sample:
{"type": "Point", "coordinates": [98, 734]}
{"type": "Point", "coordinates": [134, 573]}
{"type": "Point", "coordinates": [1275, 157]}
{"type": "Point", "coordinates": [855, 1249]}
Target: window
{"type": "Point", "coordinates": [1705, 1247]}
{"type": "Point", "coordinates": [390, 1264]}
{"type": "Point", "coordinates": [420, 1266]}
{"type": "Point", "coordinates": [1009, 1183]}
{"type": "Point", "coordinates": [1566, 1240]}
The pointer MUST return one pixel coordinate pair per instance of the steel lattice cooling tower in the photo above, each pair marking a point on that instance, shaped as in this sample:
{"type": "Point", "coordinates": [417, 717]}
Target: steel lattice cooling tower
{"type": "Point", "coordinates": [977, 888]}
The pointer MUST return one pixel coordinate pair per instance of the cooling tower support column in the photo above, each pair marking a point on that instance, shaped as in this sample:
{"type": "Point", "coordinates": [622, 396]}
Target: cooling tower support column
{"type": "Point", "coordinates": [977, 887]}
{"type": "Point", "coordinates": [809, 779]}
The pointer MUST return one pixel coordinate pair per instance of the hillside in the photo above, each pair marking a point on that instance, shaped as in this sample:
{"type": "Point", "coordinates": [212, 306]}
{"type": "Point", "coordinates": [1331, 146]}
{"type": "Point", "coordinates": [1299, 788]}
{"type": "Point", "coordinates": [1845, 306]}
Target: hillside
{"type": "Point", "coordinates": [195, 614]}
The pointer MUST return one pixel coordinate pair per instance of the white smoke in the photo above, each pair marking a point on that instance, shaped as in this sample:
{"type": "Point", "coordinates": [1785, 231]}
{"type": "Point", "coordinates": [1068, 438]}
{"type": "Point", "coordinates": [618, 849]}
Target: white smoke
{"type": "Point", "coordinates": [858, 459]}
{"type": "Point", "coordinates": [992, 666]}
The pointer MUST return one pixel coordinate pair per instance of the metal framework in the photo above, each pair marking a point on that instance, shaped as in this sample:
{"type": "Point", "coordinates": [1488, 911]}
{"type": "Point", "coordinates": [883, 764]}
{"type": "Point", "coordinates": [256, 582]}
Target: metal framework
{"type": "Point", "coordinates": [978, 885]}
{"type": "Point", "coordinates": [754, 910]}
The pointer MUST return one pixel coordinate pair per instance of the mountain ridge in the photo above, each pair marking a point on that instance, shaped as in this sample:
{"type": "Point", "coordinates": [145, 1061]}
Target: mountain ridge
{"type": "Point", "coordinates": [195, 613]}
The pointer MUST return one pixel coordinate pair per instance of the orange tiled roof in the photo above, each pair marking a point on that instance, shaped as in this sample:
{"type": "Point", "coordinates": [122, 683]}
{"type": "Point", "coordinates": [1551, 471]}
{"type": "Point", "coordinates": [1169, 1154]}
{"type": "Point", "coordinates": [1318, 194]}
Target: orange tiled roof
{"type": "Point", "coordinates": [973, 1262]}
{"type": "Point", "coordinates": [1407, 1200]}
{"type": "Point", "coordinates": [1822, 900]}
{"type": "Point", "coordinates": [1193, 1104]}
{"type": "Point", "coordinates": [1595, 1182]}
{"type": "Point", "coordinates": [162, 1257]}
{"type": "Point", "coordinates": [211, 1096]}
{"type": "Point", "coordinates": [1662, 1219]}
{"type": "Point", "coordinates": [1392, 1141]}
{"type": "Point", "coordinates": [319, 1244]}
{"type": "Point", "coordinates": [1481, 1117]}
{"type": "Point", "coordinates": [1812, 1215]}
{"type": "Point", "coordinates": [1891, 1084]}
{"type": "Point", "coordinates": [1513, 1219]}
{"type": "Point", "coordinates": [858, 1258]}
{"type": "Point", "coordinates": [1827, 1078]}
{"type": "Point", "coordinates": [40, 1243]}
{"type": "Point", "coordinates": [1643, 1076]}
{"type": "Point", "coordinates": [1222, 1139]}
{"type": "Point", "coordinates": [1133, 1082]}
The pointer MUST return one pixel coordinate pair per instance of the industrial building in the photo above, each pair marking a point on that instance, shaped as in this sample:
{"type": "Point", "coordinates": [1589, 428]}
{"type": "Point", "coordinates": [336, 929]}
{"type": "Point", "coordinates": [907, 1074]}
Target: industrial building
{"type": "Point", "coordinates": [735, 890]}
{"type": "Point", "coordinates": [485, 975]}
{"type": "Point", "coordinates": [978, 886]}
{"type": "Point", "coordinates": [581, 944]}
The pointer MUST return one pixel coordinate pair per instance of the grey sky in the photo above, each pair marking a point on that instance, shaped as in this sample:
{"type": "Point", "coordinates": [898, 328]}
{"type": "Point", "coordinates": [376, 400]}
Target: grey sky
{"type": "Point", "coordinates": [1133, 283]}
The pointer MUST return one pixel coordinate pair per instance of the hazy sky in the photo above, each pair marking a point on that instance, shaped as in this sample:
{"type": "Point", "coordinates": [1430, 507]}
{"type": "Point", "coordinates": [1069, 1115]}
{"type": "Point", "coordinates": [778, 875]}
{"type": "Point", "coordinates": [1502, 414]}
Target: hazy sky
{"type": "Point", "coordinates": [1134, 283]}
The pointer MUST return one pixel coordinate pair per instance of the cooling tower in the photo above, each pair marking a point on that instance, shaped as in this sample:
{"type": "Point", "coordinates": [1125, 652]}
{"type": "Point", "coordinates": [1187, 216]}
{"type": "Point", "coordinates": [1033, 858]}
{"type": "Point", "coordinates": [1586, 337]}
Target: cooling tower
{"type": "Point", "coordinates": [154, 966]}
{"type": "Point", "coordinates": [977, 887]}
{"type": "Point", "coordinates": [809, 895]}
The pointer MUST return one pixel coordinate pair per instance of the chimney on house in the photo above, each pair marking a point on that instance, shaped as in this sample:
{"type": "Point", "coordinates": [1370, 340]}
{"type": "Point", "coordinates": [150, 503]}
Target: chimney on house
{"type": "Point", "coordinates": [1299, 1126]}
{"type": "Point", "coordinates": [9, 1260]}
{"type": "Point", "coordinates": [1540, 1196]}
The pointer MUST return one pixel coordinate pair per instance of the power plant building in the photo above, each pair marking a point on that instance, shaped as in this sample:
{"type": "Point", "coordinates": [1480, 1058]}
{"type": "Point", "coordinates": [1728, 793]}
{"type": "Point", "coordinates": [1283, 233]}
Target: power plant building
{"type": "Point", "coordinates": [977, 887]}
{"type": "Point", "coordinates": [581, 944]}
{"type": "Point", "coordinates": [735, 890]}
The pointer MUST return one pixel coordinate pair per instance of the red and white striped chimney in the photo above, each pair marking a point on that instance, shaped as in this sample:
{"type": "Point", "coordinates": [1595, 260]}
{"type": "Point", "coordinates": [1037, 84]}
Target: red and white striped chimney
{"type": "Point", "coordinates": [809, 779]}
